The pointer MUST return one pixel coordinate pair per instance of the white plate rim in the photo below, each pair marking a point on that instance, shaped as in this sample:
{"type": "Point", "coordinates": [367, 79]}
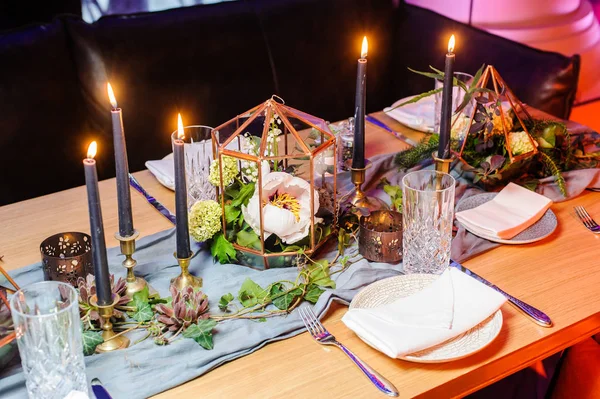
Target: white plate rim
{"type": "Point", "coordinates": [414, 357]}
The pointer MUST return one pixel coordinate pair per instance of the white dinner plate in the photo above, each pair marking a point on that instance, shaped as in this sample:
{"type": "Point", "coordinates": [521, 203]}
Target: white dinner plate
{"type": "Point", "coordinates": [418, 116]}
{"type": "Point", "coordinates": [390, 289]}
{"type": "Point", "coordinates": [538, 231]}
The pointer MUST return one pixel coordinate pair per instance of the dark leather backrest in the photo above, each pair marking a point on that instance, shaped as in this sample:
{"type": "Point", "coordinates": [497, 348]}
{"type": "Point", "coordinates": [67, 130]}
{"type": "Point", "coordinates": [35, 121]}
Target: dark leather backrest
{"type": "Point", "coordinates": [315, 45]}
{"type": "Point", "coordinates": [208, 62]}
{"type": "Point", "coordinates": [215, 61]}
{"type": "Point", "coordinates": [544, 80]}
{"type": "Point", "coordinates": [43, 122]}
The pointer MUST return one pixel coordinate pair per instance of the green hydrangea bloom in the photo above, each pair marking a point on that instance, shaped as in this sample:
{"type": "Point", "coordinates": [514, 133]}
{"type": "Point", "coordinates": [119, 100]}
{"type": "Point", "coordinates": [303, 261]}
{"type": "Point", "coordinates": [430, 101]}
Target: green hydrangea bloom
{"type": "Point", "coordinates": [519, 143]}
{"type": "Point", "coordinates": [205, 219]}
{"type": "Point", "coordinates": [230, 171]}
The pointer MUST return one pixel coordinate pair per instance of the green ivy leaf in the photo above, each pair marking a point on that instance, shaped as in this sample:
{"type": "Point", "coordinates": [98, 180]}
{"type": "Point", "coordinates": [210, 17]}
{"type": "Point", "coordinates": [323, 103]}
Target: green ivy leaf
{"type": "Point", "coordinates": [232, 213]}
{"type": "Point", "coordinates": [91, 339]}
{"type": "Point", "coordinates": [246, 192]}
{"type": "Point", "coordinates": [248, 239]}
{"type": "Point", "coordinates": [140, 296]}
{"type": "Point", "coordinates": [222, 250]}
{"type": "Point", "coordinates": [318, 273]}
{"type": "Point", "coordinates": [313, 292]}
{"type": "Point", "coordinates": [225, 300]}
{"type": "Point", "coordinates": [143, 312]}
{"type": "Point", "coordinates": [284, 301]}
{"type": "Point", "coordinates": [201, 333]}
{"type": "Point", "coordinates": [251, 293]}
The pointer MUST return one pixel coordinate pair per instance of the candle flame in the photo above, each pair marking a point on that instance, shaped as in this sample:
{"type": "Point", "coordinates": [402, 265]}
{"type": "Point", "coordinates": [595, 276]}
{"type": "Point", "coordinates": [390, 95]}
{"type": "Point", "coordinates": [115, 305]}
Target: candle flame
{"type": "Point", "coordinates": [451, 44]}
{"type": "Point", "coordinates": [93, 147]}
{"type": "Point", "coordinates": [111, 95]}
{"type": "Point", "coordinates": [365, 48]}
{"type": "Point", "coordinates": [180, 133]}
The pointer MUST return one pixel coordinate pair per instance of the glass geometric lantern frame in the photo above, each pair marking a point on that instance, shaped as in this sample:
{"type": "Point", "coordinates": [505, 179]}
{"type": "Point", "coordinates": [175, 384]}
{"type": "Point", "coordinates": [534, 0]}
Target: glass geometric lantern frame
{"type": "Point", "coordinates": [503, 94]}
{"type": "Point", "coordinates": [289, 158]}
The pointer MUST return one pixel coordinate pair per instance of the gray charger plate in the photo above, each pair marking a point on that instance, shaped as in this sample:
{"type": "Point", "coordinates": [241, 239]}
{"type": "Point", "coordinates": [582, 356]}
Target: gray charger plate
{"type": "Point", "coordinates": [538, 231]}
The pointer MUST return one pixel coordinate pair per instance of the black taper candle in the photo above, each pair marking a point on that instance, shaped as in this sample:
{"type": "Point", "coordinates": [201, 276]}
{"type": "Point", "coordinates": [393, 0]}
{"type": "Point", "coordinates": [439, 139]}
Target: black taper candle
{"type": "Point", "coordinates": [122, 168]}
{"type": "Point", "coordinates": [181, 210]}
{"type": "Point", "coordinates": [446, 117]}
{"type": "Point", "coordinates": [102, 276]}
{"type": "Point", "coordinates": [358, 155]}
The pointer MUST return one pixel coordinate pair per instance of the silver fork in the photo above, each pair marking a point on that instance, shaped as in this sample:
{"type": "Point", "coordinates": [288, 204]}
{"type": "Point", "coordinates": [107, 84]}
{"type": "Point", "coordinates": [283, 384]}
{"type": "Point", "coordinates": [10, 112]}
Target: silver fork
{"type": "Point", "coordinates": [322, 336]}
{"type": "Point", "coordinates": [587, 220]}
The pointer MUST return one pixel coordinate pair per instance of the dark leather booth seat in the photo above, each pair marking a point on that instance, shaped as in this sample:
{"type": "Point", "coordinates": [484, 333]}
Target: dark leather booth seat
{"type": "Point", "coordinates": [215, 61]}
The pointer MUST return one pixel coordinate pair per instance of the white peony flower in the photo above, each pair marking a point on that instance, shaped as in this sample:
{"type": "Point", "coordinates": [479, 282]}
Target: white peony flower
{"type": "Point", "coordinates": [285, 206]}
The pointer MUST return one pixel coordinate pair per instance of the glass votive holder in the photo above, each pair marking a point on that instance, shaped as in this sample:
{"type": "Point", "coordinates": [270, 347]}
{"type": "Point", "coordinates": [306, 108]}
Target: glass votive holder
{"type": "Point", "coordinates": [66, 257]}
{"type": "Point", "coordinates": [380, 236]}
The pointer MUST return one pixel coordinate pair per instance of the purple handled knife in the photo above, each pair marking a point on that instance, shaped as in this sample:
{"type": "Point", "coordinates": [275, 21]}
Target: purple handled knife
{"type": "Point", "coordinates": [537, 315]}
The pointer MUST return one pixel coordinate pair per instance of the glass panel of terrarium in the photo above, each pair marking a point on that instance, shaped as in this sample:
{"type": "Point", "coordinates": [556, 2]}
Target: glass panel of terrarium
{"type": "Point", "coordinates": [281, 143]}
{"type": "Point", "coordinates": [242, 205]}
{"type": "Point", "coordinates": [309, 137]}
{"type": "Point", "coordinates": [309, 119]}
{"type": "Point", "coordinates": [324, 185]}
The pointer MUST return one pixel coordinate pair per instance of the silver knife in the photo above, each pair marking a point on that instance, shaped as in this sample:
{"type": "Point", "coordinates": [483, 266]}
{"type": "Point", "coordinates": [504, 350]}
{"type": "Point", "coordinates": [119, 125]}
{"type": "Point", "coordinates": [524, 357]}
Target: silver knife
{"type": "Point", "coordinates": [537, 315]}
{"type": "Point", "coordinates": [382, 125]}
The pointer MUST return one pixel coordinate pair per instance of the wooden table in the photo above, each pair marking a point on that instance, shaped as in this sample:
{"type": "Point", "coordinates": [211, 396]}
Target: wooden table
{"type": "Point", "coordinates": [560, 275]}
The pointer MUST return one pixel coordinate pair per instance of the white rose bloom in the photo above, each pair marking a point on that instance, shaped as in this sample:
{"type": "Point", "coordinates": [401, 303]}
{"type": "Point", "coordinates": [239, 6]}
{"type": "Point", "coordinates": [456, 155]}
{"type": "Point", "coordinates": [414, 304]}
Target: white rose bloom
{"type": "Point", "coordinates": [285, 206]}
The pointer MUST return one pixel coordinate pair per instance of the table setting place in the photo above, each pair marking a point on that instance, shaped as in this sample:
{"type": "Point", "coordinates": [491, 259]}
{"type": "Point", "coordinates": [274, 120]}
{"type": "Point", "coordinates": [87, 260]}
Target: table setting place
{"type": "Point", "coordinates": [278, 213]}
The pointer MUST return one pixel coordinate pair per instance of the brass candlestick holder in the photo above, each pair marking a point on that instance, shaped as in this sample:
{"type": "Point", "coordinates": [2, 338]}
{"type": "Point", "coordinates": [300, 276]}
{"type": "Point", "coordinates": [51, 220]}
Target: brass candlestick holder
{"type": "Point", "coordinates": [442, 164]}
{"type": "Point", "coordinates": [360, 199]}
{"type": "Point", "coordinates": [112, 340]}
{"type": "Point", "coordinates": [185, 279]}
{"type": "Point", "coordinates": [134, 284]}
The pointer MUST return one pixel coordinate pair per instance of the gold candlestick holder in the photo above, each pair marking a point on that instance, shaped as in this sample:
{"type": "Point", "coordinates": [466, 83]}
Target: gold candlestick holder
{"type": "Point", "coordinates": [112, 340]}
{"type": "Point", "coordinates": [185, 279]}
{"type": "Point", "coordinates": [442, 164]}
{"type": "Point", "coordinates": [360, 199]}
{"type": "Point", "coordinates": [134, 283]}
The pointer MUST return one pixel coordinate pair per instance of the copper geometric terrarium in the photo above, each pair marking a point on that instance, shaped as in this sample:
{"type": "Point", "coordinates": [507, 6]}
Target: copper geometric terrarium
{"type": "Point", "coordinates": [499, 100]}
{"type": "Point", "coordinates": [277, 183]}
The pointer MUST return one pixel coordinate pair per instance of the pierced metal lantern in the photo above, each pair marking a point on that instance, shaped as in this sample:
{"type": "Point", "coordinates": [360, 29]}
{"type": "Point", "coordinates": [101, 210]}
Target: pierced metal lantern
{"type": "Point", "coordinates": [277, 183]}
{"type": "Point", "coordinates": [499, 96]}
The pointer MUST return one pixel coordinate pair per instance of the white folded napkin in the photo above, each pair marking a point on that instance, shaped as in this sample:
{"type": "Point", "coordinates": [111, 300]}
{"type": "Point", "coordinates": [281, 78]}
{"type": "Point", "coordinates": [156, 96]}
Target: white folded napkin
{"type": "Point", "coordinates": [418, 116]}
{"type": "Point", "coordinates": [448, 307]}
{"type": "Point", "coordinates": [514, 209]}
{"type": "Point", "coordinates": [163, 170]}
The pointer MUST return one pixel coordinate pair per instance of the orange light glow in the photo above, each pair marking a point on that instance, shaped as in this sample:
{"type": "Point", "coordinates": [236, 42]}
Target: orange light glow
{"type": "Point", "coordinates": [451, 44]}
{"type": "Point", "coordinates": [111, 95]}
{"type": "Point", "coordinates": [180, 133]}
{"type": "Point", "coordinates": [93, 147]}
{"type": "Point", "coordinates": [365, 48]}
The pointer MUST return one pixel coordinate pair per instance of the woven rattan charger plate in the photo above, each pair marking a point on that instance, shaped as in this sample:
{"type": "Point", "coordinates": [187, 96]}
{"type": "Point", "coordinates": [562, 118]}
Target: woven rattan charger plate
{"type": "Point", "coordinates": [390, 289]}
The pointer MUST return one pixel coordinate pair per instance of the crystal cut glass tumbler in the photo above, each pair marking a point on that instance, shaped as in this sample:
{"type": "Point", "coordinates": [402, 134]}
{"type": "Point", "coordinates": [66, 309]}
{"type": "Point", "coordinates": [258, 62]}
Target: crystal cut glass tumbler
{"type": "Point", "coordinates": [428, 210]}
{"type": "Point", "coordinates": [46, 320]}
{"type": "Point", "coordinates": [198, 157]}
